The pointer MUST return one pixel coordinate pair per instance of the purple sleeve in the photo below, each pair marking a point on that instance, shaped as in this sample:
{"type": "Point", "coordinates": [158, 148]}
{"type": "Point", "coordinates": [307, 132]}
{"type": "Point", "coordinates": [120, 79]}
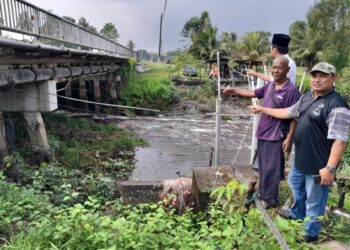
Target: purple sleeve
{"type": "Point", "coordinates": [260, 92]}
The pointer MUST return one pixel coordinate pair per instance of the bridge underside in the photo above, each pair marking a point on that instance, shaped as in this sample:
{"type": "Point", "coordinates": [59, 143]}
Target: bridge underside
{"type": "Point", "coordinates": [36, 78]}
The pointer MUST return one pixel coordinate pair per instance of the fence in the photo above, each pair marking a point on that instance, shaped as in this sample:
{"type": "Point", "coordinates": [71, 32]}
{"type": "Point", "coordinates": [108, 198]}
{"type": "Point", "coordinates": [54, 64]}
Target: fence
{"type": "Point", "coordinates": [22, 17]}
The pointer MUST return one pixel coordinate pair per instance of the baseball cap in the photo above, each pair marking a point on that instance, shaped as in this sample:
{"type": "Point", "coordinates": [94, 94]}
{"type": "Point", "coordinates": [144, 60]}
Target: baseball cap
{"type": "Point", "coordinates": [324, 67]}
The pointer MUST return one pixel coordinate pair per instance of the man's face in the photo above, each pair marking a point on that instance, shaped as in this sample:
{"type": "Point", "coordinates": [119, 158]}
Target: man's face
{"type": "Point", "coordinates": [279, 70]}
{"type": "Point", "coordinates": [321, 82]}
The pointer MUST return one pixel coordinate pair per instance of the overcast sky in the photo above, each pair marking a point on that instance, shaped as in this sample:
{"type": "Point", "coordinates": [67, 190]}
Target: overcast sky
{"type": "Point", "coordinates": [138, 20]}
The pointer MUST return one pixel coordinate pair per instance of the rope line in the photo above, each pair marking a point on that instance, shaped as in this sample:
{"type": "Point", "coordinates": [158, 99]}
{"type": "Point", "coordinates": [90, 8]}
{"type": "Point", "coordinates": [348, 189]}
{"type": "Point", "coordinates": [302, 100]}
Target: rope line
{"type": "Point", "coordinates": [89, 102]}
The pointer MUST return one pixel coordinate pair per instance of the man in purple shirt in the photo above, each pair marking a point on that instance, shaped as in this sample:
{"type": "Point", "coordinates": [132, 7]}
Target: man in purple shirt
{"type": "Point", "coordinates": [274, 136]}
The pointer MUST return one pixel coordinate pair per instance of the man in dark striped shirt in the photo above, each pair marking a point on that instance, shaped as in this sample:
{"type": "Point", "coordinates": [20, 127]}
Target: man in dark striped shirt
{"type": "Point", "coordinates": [321, 135]}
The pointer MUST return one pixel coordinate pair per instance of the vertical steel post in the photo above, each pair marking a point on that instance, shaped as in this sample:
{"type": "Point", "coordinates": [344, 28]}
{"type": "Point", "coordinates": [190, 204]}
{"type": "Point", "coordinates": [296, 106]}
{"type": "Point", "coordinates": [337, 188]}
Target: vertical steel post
{"type": "Point", "coordinates": [218, 117]}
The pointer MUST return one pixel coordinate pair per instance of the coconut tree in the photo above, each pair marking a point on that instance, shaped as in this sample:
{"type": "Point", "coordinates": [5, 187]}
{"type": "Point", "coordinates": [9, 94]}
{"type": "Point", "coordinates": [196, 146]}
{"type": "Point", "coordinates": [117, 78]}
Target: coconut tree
{"type": "Point", "coordinates": [228, 43]}
{"type": "Point", "coordinates": [305, 45]}
{"type": "Point", "coordinates": [202, 35]}
{"type": "Point", "coordinates": [205, 44]}
{"type": "Point", "coordinates": [254, 45]}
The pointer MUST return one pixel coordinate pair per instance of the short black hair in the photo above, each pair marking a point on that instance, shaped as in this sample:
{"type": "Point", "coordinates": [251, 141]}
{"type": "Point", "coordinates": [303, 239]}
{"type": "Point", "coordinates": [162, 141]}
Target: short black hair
{"type": "Point", "coordinates": [282, 50]}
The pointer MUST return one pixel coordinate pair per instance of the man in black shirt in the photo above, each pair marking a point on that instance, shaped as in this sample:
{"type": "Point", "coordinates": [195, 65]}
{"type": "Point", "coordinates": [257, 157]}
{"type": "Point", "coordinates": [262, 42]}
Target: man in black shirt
{"type": "Point", "coordinates": [321, 135]}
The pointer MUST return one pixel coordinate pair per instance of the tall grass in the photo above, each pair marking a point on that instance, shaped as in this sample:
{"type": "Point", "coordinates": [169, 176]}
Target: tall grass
{"type": "Point", "coordinates": [148, 90]}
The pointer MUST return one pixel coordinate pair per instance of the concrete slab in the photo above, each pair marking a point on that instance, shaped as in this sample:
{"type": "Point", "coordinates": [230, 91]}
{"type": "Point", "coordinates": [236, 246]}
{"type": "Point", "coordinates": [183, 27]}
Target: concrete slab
{"type": "Point", "coordinates": [136, 192]}
{"type": "Point", "coordinates": [206, 179]}
{"type": "Point", "coordinates": [334, 245]}
{"type": "Point", "coordinates": [245, 173]}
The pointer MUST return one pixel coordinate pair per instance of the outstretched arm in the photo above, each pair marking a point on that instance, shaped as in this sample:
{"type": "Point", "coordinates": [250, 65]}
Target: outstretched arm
{"type": "Point", "coordinates": [259, 75]}
{"type": "Point", "coordinates": [238, 91]}
{"type": "Point", "coordinates": [277, 113]}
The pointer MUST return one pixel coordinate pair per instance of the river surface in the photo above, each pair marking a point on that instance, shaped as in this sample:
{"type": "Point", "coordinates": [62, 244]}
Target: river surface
{"type": "Point", "coordinates": [178, 142]}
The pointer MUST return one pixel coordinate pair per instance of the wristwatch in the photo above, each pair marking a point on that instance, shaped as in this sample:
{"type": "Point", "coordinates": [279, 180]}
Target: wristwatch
{"type": "Point", "coordinates": [332, 170]}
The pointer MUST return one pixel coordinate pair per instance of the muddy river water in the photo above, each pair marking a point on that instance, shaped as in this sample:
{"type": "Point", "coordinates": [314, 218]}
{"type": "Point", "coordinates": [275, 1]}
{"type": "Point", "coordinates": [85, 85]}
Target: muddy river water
{"type": "Point", "coordinates": [180, 141]}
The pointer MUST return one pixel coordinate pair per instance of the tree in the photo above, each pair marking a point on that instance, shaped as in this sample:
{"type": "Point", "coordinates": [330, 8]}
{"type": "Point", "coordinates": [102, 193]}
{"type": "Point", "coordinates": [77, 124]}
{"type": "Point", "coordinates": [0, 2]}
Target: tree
{"type": "Point", "coordinates": [228, 42]}
{"type": "Point", "coordinates": [305, 45]}
{"type": "Point", "coordinates": [330, 20]}
{"type": "Point", "coordinates": [254, 45]}
{"type": "Point", "coordinates": [205, 44]}
{"type": "Point", "coordinates": [325, 35]}
{"type": "Point", "coordinates": [84, 23]}
{"type": "Point", "coordinates": [68, 18]}
{"type": "Point", "coordinates": [131, 45]}
{"type": "Point", "coordinates": [110, 31]}
{"type": "Point", "coordinates": [202, 35]}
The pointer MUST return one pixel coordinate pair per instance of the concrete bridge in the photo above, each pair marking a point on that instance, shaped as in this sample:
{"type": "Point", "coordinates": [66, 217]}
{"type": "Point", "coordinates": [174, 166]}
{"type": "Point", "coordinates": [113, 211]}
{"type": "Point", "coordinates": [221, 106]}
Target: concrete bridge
{"type": "Point", "coordinates": [43, 56]}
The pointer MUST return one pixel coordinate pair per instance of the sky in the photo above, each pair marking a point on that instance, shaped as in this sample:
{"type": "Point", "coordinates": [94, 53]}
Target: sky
{"type": "Point", "coordinates": [139, 20]}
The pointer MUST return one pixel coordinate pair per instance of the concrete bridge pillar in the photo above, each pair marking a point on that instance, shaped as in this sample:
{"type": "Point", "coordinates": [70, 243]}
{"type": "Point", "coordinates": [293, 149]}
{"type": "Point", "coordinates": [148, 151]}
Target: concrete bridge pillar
{"type": "Point", "coordinates": [112, 85]}
{"type": "Point", "coordinates": [68, 93]}
{"type": "Point", "coordinates": [82, 94]}
{"type": "Point", "coordinates": [3, 143]}
{"type": "Point", "coordinates": [97, 94]}
{"type": "Point", "coordinates": [36, 129]}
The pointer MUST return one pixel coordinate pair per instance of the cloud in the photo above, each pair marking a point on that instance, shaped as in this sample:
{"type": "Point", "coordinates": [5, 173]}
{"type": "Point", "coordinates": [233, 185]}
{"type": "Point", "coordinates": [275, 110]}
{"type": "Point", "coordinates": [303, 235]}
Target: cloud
{"type": "Point", "coordinates": [138, 20]}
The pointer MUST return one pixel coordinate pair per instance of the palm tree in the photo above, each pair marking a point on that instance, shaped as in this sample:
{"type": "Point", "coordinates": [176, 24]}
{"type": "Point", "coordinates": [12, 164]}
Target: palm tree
{"type": "Point", "coordinates": [228, 42]}
{"type": "Point", "coordinates": [202, 34]}
{"type": "Point", "coordinates": [305, 45]}
{"type": "Point", "coordinates": [255, 45]}
{"type": "Point", "coordinates": [205, 44]}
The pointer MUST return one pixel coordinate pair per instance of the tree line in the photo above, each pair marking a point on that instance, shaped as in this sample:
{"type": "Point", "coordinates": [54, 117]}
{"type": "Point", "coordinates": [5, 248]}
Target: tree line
{"type": "Point", "coordinates": [322, 37]}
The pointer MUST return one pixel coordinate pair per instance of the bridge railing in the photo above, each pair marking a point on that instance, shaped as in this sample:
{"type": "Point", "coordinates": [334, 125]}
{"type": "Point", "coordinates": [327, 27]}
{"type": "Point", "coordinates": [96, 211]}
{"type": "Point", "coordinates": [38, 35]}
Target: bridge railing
{"type": "Point", "coordinates": [25, 18]}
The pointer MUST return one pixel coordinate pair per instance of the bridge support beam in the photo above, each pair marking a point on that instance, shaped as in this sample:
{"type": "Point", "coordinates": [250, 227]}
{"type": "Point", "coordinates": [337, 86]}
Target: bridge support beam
{"type": "Point", "coordinates": [82, 94]}
{"type": "Point", "coordinates": [113, 80]}
{"type": "Point", "coordinates": [97, 94]}
{"type": "Point", "coordinates": [30, 97]}
{"type": "Point", "coordinates": [68, 93]}
{"type": "Point", "coordinates": [3, 143]}
{"type": "Point", "coordinates": [36, 129]}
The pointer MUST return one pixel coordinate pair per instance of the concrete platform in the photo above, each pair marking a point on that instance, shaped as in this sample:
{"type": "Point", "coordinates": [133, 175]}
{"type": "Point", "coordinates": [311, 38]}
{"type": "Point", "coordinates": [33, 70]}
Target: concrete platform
{"type": "Point", "coordinates": [136, 192]}
{"type": "Point", "coordinates": [206, 179]}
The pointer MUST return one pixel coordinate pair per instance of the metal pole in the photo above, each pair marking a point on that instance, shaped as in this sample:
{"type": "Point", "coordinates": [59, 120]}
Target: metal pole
{"type": "Point", "coordinates": [302, 82]}
{"type": "Point", "coordinates": [160, 32]}
{"type": "Point", "coordinates": [218, 118]}
{"type": "Point", "coordinates": [160, 39]}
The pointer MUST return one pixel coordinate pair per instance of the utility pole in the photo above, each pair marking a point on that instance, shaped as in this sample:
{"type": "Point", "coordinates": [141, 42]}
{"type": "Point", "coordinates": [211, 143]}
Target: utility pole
{"type": "Point", "coordinates": [160, 32]}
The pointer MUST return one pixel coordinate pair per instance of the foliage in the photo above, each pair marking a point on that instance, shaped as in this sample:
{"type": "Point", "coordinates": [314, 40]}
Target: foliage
{"type": "Point", "coordinates": [324, 37]}
{"type": "Point", "coordinates": [20, 207]}
{"type": "Point", "coordinates": [304, 45]}
{"type": "Point", "coordinates": [228, 42]}
{"type": "Point", "coordinates": [85, 23]}
{"type": "Point", "coordinates": [110, 31]}
{"type": "Point", "coordinates": [88, 159]}
{"type": "Point", "coordinates": [343, 85]}
{"type": "Point", "coordinates": [131, 45]}
{"type": "Point", "coordinates": [202, 34]}
{"type": "Point", "coordinates": [186, 59]}
{"type": "Point", "coordinates": [330, 20]}
{"type": "Point", "coordinates": [203, 94]}
{"type": "Point", "coordinates": [144, 91]}
{"type": "Point", "coordinates": [68, 18]}
{"type": "Point", "coordinates": [255, 45]}
{"type": "Point", "coordinates": [147, 226]}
